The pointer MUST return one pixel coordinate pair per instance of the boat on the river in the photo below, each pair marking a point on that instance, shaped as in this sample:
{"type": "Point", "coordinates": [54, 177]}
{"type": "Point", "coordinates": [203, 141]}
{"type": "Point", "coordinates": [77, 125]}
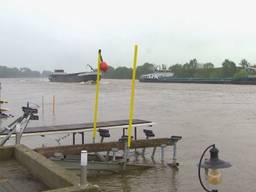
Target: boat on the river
{"type": "Point", "coordinates": [60, 76]}
{"type": "Point", "coordinates": [168, 77]}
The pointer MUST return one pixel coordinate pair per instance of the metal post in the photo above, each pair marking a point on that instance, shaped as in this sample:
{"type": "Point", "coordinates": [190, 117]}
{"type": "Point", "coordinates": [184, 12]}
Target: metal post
{"type": "Point", "coordinates": [84, 162]}
{"type": "Point", "coordinates": [135, 138]}
{"type": "Point", "coordinates": [74, 138]}
{"type": "Point", "coordinates": [135, 134]}
{"type": "Point", "coordinates": [123, 131]}
{"type": "Point", "coordinates": [174, 155]}
{"type": "Point", "coordinates": [125, 154]}
{"type": "Point", "coordinates": [153, 153]}
{"type": "Point", "coordinates": [114, 150]}
{"type": "Point", "coordinates": [162, 152]}
{"type": "Point", "coordinates": [143, 150]}
{"type": "Point", "coordinates": [18, 134]}
{"type": "Point", "coordinates": [82, 133]}
{"type": "Point", "coordinates": [107, 156]}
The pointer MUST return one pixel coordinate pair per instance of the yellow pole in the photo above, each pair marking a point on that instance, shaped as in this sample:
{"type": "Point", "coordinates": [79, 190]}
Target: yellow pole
{"type": "Point", "coordinates": [96, 98]}
{"type": "Point", "coordinates": [53, 104]}
{"type": "Point", "coordinates": [135, 59]}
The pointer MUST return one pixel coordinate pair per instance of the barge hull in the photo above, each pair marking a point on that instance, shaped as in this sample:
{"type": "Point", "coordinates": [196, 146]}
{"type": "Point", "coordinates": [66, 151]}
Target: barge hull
{"type": "Point", "coordinates": [75, 77]}
{"type": "Point", "coordinates": [225, 81]}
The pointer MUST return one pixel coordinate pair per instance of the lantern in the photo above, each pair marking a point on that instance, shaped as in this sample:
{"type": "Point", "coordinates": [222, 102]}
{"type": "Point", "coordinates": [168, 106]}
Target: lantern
{"type": "Point", "coordinates": [212, 166]}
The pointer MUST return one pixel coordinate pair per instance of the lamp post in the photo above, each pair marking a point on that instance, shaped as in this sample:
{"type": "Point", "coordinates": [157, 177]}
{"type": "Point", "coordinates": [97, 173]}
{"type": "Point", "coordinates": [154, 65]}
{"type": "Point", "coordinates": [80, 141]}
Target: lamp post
{"type": "Point", "coordinates": [211, 166]}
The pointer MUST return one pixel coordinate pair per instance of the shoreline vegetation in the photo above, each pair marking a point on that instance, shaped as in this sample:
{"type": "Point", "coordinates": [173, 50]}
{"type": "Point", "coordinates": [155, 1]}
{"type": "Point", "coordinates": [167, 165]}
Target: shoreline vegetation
{"type": "Point", "coordinates": [7, 72]}
{"type": "Point", "coordinates": [191, 69]}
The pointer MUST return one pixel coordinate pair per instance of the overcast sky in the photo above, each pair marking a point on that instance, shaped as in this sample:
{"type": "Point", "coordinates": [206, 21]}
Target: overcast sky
{"type": "Point", "coordinates": [49, 34]}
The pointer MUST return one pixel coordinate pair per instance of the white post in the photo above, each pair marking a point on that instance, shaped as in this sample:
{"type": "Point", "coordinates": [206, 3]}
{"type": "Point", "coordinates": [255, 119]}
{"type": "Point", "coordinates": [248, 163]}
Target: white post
{"type": "Point", "coordinates": [114, 150]}
{"type": "Point", "coordinates": [84, 162]}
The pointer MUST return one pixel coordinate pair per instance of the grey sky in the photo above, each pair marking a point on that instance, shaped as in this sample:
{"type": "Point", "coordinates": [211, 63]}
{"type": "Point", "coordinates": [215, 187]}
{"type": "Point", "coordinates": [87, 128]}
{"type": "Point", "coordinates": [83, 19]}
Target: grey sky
{"type": "Point", "coordinates": [66, 34]}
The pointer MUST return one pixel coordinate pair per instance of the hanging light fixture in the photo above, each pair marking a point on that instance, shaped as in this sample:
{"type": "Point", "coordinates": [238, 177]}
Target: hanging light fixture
{"type": "Point", "coordinates": [212, 167]}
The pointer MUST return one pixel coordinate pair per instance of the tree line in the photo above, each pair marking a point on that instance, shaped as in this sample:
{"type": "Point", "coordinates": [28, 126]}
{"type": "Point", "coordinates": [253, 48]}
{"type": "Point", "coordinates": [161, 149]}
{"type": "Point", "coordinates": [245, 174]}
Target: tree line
{"type": "Point", "coordinates": [7, 72]}
{"type": "Point", "coordinates": [191, 69]}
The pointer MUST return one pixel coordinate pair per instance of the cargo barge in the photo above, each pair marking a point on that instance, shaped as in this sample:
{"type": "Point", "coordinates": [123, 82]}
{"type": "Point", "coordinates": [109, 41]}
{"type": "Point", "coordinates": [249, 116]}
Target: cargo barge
{"type": "Point", "coordinates": [167, 77]}
{"type": "Point", "coordinates": [60, 76]}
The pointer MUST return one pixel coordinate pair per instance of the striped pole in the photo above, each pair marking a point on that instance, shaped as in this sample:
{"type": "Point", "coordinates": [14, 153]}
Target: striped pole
{"type": "Point", "coordinates": [135, 60]}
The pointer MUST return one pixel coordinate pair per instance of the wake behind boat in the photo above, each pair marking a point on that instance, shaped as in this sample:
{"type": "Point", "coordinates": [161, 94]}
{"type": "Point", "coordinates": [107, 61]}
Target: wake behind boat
{"type": "Point", "coordinates": [60, 76]}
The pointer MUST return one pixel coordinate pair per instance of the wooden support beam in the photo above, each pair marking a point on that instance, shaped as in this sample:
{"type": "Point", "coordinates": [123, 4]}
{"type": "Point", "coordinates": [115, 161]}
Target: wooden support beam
{"type": "Point", "coordinates": [108, 146]}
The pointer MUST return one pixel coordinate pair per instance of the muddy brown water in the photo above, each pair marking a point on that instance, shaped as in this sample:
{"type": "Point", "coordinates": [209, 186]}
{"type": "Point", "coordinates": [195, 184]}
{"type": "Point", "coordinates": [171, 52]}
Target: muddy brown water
{"type": "Point", "coordinates": [202, 114]}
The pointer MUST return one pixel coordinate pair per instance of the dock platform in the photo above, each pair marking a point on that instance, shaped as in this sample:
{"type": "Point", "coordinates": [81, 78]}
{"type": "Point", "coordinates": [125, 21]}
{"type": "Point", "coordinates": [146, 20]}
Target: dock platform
{"type": "Point", "coordinates": [107, 146]}
{"type": "Point", "coordinates": [82, 127]}
{"type": "Point", "coordinates": [69, 155]}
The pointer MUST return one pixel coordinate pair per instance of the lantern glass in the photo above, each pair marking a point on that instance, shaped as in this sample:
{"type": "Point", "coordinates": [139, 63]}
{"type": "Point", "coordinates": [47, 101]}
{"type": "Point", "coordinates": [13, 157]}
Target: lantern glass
{"type": "Point", "coordinates": [214, 176]}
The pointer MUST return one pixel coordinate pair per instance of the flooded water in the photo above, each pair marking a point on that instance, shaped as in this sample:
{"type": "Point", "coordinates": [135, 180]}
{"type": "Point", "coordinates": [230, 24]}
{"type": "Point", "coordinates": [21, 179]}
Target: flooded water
{"type": "Point", "coordinates": [202, 114]}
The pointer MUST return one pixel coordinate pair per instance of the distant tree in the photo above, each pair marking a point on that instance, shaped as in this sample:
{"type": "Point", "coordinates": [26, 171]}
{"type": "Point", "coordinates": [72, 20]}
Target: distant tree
{"type": "Point", "coordinates": [123, 73]}
{"type": "Point", "coordinates": [205, 71]}
{"type": "Point", "coordinates": [177, 70]}
{"type": "Point", "coordinates": [157, 67]}
{"type": "Point", "coordinates": [26, 72]}
{"type": "Point", "coordinates": [216, 73]}
{"type": "Point", "coordinates": [110, 69]}
{"type": "Point", "coordinates": [189, 69]}
{"type": "Point", "coordinates": [228, 68]}
{"type": "Point", "coordinates": [6, 72]}
{"type": "Point", "coordinates": [193, 64]}
{"type": "Point", "coordinates": [164, 67]}
{"type": "Point", "coordinates": [145, 69]}
{"type": "Point", "coordinates": [244, 64]}
{"type": "Point", "coordinates": [109, 73]}
{"type": "Point", "coordinates": [208, 66]}
{"type": "Point", "coordinates": [241, 74]}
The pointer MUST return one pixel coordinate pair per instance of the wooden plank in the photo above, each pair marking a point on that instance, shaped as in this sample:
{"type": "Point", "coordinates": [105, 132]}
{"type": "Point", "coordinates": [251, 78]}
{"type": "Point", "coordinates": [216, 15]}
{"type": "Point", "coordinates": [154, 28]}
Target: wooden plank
{"type": "Point", "coordinates": [98, 147]}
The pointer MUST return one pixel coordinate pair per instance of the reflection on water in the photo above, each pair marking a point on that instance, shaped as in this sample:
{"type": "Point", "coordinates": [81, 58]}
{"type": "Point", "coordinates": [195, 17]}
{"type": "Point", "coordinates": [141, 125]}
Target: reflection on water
{"type": "Point", "coordinates": [158, 179]}
{"type": "Point", "coordinates": [202, 114]}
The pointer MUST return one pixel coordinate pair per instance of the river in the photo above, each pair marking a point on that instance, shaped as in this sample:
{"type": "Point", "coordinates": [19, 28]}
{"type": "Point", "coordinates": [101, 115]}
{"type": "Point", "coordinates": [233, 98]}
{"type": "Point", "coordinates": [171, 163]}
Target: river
{"type": "Point", "coordinates": [202, 114]}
